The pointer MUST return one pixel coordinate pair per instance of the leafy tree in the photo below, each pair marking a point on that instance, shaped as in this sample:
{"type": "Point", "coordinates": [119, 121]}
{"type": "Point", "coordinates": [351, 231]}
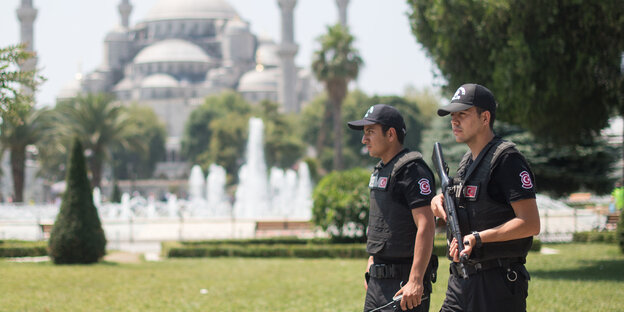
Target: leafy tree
{"type": "Point", "coordinates": [559, 170]}
{"type": "Point", "coordinates": [553, 65]}
{"type": "Point", "coordinates": [15, 135]}
{"type": "Point", "coordinates": [335, 64]}
{"type": "Point", "coordinates": [77, 235]}
{"type": "Point", "coordinates": [101, 124]}
{"type": "Point", "coordinates": [13, 82]}
{"type": "Point", "coordinates": [144, 125]}
{"type": "Point", "coordinates": [341, 204]}
{"type": "Point", "coordinates": [620, 233]}
{"type": "Point", "coordinates": [198, 129]}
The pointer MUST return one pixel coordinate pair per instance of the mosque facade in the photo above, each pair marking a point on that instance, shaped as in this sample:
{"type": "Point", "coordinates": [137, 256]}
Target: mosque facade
{"type": "Point", "coordinates": [185, 50]}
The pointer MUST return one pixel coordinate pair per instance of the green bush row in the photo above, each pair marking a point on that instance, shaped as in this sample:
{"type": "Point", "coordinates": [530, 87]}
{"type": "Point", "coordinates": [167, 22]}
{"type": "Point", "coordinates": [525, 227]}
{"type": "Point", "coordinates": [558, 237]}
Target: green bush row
{"type": "Point", "coordinates": [12, 248]}
{"type": "Point", "coordinates": [282, 248]}
{"type": "Point", "coordinates": [175, 250]}
{"type": "Point", "coordinates": [594, 236]}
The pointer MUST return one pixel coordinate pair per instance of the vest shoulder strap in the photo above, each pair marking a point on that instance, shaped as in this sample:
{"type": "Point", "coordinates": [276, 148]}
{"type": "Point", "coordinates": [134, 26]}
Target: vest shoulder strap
{"type": "Point", "coordinates": [404, 160]}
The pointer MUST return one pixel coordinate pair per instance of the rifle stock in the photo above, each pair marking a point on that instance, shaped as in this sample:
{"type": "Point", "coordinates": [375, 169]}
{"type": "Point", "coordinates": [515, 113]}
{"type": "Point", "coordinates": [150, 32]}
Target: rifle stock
{"type": "Point", "coordinates": [449, 204]}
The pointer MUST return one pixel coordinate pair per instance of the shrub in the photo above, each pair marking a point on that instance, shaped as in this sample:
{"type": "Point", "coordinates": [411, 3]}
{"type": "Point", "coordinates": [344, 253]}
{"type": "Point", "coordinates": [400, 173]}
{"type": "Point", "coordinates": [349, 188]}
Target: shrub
{"type": "Point", "coordinates": [619, 238]}
{"type": "Point", "coordinates": [594, 237]}
{"type": "Point", "coordinates": [12, 248]}
{"type": "Point", "coordinates": [341, 204]}
{"type": "Point", "coordinates": [77, 235]}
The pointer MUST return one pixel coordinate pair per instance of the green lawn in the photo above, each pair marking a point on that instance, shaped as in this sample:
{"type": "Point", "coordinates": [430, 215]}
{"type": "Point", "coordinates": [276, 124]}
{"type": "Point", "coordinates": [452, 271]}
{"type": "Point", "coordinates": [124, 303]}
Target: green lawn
{"type": "Point", "coordinates": [582, 277]}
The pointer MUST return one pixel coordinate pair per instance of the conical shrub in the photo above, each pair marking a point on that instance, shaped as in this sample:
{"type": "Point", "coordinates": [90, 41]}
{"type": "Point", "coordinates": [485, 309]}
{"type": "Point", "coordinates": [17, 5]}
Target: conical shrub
{"type": "Point", "coordinates": [77, 235]}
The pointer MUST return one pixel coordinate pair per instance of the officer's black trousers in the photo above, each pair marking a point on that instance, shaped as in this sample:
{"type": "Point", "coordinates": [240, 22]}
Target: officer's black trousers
{"type": "Point", "coordinates": [381, 290]}
{"type": "Point", "coordinates": [488, 291]}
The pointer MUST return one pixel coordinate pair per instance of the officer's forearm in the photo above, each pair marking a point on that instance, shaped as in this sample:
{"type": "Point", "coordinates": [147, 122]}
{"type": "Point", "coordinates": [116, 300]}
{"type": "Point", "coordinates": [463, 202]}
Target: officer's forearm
{"type": "Point", "coordinates": [423, 246]}
{"type": "Point", "coordinates": [525, 224]}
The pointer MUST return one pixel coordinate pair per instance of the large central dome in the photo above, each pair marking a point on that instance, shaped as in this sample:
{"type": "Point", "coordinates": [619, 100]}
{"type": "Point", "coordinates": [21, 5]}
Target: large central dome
{"type": "Point", "coordinates": [191, 9]}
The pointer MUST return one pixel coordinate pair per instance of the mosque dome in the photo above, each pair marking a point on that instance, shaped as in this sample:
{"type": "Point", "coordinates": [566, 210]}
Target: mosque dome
{"type": "Point", "coordinates": [191, 9]}
{"type": "Point", "coordinates": [124, 85]}
{"type": "Point", "coordinates": [159, 81]}
{"type": "Point", "coordinates": [266, 54]}
{"type": "Point", "coordinates": [259, 81]}
{"type": "Point", "coordinates": [71, 89]}
{"type": "Point", "coordinates": [236, 26]}
{"type": "Point", "coordinates": [171, 50]}
{"type": "Point", "coordinates": [119, 33]}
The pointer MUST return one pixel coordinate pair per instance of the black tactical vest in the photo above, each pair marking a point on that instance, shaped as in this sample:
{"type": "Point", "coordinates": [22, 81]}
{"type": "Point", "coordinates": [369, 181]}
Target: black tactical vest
{"type": "Point", "coordinates": [477, 211]}
{"type": "Point", "coordinates": [391, 228]}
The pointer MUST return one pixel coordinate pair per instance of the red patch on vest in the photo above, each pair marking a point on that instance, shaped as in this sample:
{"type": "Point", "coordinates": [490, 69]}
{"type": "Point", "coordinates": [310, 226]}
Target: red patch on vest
{"type": "Point", "coordinates": [525, 178]}
{"type": "Point", "coordinates": [383, 181]}
{"type": "Point", "coordinates": [471, 191]}
{"type": "Point", "coordinates": [425, 188]}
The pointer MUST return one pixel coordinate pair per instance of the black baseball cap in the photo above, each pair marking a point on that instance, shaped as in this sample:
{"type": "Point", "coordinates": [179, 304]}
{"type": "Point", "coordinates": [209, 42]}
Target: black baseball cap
{"type": "Point", "coordinates": [467, 96]}
{"type": "Point", "coordinates": [380, 114]}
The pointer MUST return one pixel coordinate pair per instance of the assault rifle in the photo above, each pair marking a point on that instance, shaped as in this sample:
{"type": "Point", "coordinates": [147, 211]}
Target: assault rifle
{"type": "Point", "coordinates": [449, 203]}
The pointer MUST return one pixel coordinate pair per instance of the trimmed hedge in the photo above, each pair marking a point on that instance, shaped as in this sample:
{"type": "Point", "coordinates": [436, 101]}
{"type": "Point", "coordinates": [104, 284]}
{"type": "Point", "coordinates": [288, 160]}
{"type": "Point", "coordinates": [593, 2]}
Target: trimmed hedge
{"type": "Point", "coordinates": [14, 248]}
{"type": "Point", "coordinates": [282, 247]}
{"type": "Point", "coordinates": [595, 237]}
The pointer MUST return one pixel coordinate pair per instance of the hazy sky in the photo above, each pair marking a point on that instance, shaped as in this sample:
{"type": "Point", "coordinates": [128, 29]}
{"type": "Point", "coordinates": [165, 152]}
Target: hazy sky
{"type": "Point", "coordinates": [69, 36]}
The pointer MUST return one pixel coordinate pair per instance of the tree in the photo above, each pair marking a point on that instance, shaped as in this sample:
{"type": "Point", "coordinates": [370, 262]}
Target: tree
{"type": "Point", "coordinates": [101, 125]}
{"type": "Point", "coordinates": [282, 141]}
{"type": "Point", "coordinates": [335, 64]}
{"type": "Point", "coordinates": [553, 65]}
{"type": "Point", "coordinates": [15, 135]}
{"type": "Point", "coordinates": [341, 204]}
{"type": "Point", "coordinates": [198, 129]}
{"type": "Point", "coordinates": [14, 81]}
{"type": "Point", "coordinates": [77, 235]}
{"type": "Point", "coordinates": [144, 125]}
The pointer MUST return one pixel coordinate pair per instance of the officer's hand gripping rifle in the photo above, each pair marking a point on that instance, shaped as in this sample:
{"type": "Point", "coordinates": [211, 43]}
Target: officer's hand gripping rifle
{"type": "Point", "coordinates": [449, 203]}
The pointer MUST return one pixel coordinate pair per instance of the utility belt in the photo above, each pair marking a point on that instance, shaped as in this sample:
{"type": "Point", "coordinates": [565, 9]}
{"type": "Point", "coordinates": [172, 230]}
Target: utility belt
{"type": "Point", "coordinates": [390, 271]}
{"type": "Point", "coordinates": [476, 267]}
{"type": "Point", "coordinates": [398, 270]}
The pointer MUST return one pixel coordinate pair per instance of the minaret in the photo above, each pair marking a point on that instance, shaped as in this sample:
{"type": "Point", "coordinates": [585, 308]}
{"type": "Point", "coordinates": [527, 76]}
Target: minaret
{"type": "Point", "coordinates": [26, 14]}
{"type": "Point", "coordinates": [287, 50]}
{"type": "Point", "coordinates": [125, 8]}
{"type": "Point", "coordinates": [342, 11]}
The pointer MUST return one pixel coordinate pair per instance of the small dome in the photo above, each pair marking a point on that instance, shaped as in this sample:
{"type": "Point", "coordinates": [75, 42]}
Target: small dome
{"type": "Point", "coordinates": [266, 54]}
{"type": "Point", "coordinates": [191, 9]}
{"type": "Point", "coordinates": [124, 84]}
{"type": "Point", "coordinates": [259, 81]}
{"type": "Point", "coordinates": [171, 50]}
{"type": "Point", "coordinates": [119, 33]}
{"type": "Point", "coordinates": [236, 26]}
{"type": "Point", "coordinates": [159, 81]}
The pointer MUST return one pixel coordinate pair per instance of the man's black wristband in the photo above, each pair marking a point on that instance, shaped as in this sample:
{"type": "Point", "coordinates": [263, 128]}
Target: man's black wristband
{"type": "Point", "coordinates": [477, 237]}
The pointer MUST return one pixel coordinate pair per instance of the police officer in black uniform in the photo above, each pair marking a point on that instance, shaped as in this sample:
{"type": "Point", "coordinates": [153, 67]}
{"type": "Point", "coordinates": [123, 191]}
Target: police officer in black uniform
{"type": "Point", "coordinates": [496, 208]}
{"type": "Point", "coordinates": [401, 222]}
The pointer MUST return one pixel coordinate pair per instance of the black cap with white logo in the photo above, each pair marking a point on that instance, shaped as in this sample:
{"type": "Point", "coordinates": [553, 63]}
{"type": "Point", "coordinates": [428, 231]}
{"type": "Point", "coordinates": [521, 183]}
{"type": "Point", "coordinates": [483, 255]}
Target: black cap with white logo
{"type": "Point", "coordinates": [380, 114]}
{"type": "Point", "coordinates": [467, 96]}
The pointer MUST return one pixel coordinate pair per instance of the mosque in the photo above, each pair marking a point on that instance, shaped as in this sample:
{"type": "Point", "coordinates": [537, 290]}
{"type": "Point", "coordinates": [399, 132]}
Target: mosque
{"type": "Point", "coordinates": [183, 51]}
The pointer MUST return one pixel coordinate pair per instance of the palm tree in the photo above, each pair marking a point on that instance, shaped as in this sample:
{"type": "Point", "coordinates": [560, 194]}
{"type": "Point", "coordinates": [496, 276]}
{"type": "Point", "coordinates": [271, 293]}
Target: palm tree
{"type": "Point", "coordinates": [15, 135]}
{"type": "Point", "coordinates": [336, 64]}
{"type": "Point", "coordinates": [101, 125]}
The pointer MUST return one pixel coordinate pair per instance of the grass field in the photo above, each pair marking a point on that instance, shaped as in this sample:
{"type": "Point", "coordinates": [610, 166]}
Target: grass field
{"type": "Point", "coordinates": [581, 277]}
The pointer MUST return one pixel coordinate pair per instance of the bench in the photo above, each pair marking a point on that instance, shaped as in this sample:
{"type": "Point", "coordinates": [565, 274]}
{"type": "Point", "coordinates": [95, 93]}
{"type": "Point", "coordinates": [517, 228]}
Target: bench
{"type": "Point", "coordinates": [46, 228]}
{"type": "Point", "coordinates": [612, 221]}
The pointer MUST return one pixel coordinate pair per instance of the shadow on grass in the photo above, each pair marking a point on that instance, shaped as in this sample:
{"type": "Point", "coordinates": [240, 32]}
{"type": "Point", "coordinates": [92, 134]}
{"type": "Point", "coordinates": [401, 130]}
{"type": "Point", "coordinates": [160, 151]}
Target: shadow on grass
{"type": "Point", "coordinates": [602, 270]}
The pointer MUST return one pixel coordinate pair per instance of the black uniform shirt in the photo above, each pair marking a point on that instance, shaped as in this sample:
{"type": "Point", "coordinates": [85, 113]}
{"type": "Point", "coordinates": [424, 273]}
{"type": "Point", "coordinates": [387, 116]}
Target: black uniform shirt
{"type": "Point", "coordinates": [415, 184]}
{"type": "Point", "coordinates": [511, 179]}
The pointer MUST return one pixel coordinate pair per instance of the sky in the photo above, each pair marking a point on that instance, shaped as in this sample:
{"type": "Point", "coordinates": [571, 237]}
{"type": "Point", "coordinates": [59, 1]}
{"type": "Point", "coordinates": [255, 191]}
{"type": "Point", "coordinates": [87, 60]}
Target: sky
{"type": "Point", "coordinates": [69, 37]}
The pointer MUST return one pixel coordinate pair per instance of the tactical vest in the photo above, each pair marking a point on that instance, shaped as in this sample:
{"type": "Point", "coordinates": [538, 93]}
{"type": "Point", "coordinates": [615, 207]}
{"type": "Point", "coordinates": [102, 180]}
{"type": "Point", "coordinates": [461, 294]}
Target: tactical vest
{"type": "Point", "coordinates": [391, 228]}
{"type": "Point", "coordinates": [477, 211]}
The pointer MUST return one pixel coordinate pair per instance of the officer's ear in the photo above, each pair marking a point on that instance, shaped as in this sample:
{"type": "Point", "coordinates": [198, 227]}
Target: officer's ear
{"type": "Point", "coordinates": [391, 134]}
{"type": "Point", "coordinates": [485, 117]}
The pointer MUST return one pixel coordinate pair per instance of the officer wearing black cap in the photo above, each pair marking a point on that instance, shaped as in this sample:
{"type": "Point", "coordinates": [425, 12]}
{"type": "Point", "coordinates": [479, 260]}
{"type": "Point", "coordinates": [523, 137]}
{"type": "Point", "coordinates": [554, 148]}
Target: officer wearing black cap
{"type": "Point", "coordinates": [496, 208]}
{"type": "Point", "coordinates": [401, 223]}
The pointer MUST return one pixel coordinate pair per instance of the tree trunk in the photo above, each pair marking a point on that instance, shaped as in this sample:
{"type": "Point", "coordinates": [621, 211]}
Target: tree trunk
{"type": "Point", "coordinates": [18, 163]}
{"type": "Point", "coordinates": [322, 135]}
{"type": "Point", "coordinates": [95, 164]}
{"type": "Point", "coordinates": [337, 89]}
